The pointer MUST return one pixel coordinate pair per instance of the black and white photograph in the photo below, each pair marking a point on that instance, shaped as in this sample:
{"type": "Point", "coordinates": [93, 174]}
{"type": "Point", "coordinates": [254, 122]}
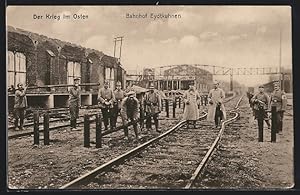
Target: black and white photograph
{"type": "Point", "coordinates": [149, 97]}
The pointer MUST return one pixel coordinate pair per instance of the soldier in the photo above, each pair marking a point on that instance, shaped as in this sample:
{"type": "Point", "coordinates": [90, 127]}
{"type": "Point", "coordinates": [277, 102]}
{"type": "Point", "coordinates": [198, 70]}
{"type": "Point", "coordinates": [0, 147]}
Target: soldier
{"type": "Point", "coordinates": [153, 108]}
{"type": "Point", "coordinates": [191, 111]}
{"type": "Point", "coordinates": [106, 99]}
{"type": "Point", "coordinates": [202, 99]}
{"type": "Point", "coordinates": [119, 96]}
{"type": "Point", "coordinates": [206, 99]}
{"type": "Point", "coordinates": [130, 111]}
{"type": "Point", "coordinates": [74, 103]}
{"type": "Point", "coordinates": [278, 99]}
{"type": "Point", "coordinates": [216, 109]}
{"type": "Point", "coordinates": [20, 106]}
{"type": "Point", "coordinates": [260, 105]}
{"type": "Point", "coordinates": [141, 99]}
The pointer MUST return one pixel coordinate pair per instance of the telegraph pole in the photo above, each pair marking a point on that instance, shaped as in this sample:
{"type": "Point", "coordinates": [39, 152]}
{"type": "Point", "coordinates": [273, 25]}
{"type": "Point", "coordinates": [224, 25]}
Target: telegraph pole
{"type": "Point", "coordinates": [281, 79]}
{"type": "Point", "coordinates": [118, 39]}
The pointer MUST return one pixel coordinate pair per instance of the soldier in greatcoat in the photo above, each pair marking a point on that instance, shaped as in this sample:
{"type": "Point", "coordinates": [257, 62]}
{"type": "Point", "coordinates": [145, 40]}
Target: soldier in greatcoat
{"type": "Point", "coordinates": [20, 106]}
{"type": "Point", "coordinates": [191, 99]}
{"type": "Point", "coordinates": [119, 96]}
{"type": "Point", "coordinates": [260, 105]}
{"type": "Point", "coordinates": [216, 108]}
{"type": "Point", "coordinates": [106, 99]}
{"type": "Point", "coordinates": [279, 100]}
{"type": "Point", "coordinates": [74, 103]}
{"type": "Point", "coordinates": [153, 108]}
{"type": "Point", "coordinates": [130, 112]}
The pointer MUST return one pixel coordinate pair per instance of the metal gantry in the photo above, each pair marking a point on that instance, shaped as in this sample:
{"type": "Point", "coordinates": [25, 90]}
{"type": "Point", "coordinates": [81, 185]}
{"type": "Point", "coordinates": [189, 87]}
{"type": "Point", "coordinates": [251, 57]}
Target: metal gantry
{"type": "Point", "coordinates": [216, 70]}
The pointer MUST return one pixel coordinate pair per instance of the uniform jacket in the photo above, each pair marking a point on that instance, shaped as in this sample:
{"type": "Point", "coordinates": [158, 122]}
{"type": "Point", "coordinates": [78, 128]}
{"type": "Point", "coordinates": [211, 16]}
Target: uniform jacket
{"type": "Point", "coordinates": [119, 96]}
{"type": "Point", "coordinates": [20, 99]}
{"type": "Point", "coordinates": [262, 97]}
{"type": "Point", "coordinates": [152, 103]}
{"type": "Point", "coordinates": [278, 99]}
{"type": "Point", "coordinates": [191, 111]}
{"type": "Point", "coordinates": [216, 95]}
{"type": "Point", "coordinates": [130, 109]}
{"type": "Point", "coordinates": [74, 97]}
{"type": "Point", "coordinates": [106, 95]}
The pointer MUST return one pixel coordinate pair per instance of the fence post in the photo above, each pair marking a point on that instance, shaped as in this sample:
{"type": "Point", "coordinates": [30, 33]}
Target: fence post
{"type": "Point", "coordinates": [174, 108]}
{"type": "Point", "coordinates": [86, 131]}
{"type": "Point", "coordinates": [167, 107]}
{"type": "Point", "coordinates": [46, 129]}
{"type": "Point", "coordinates": [98, 131]}
{"type": "Point", "coordinates": [274, 124]}
{"type": "Point", "coordinates": [36, 133]}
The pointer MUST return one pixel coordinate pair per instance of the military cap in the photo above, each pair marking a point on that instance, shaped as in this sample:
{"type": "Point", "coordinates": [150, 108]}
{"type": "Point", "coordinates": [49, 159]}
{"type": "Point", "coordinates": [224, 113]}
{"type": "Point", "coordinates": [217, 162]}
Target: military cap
{"type": "Point", "coordinates": [76, 78]}
{"type": "Point", "coordinates": [151, 86]}
{"type": "Point", "coordinates": [216, 82]}
{"type": "Point", "coordinates": [276, 83]}
{"type": "Point", "coordinates": [130, 93]}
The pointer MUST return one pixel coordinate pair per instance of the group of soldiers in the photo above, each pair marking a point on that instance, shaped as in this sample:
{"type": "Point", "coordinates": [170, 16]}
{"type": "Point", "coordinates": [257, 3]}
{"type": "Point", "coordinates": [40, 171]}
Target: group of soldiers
{"type": "Point", "coordinates": [261, 104]}
{"type": "Point", "coordinates": [130, 107]}
{"type": "Point", "coordinates": [126, 104]}
{"type": "Point", "coordinates": [121, 102]}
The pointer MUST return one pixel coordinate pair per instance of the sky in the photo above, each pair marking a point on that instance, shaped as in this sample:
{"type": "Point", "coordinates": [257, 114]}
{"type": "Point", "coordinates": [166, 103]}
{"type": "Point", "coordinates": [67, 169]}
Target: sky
{"type": "Point", "coordinates": [229, 36]}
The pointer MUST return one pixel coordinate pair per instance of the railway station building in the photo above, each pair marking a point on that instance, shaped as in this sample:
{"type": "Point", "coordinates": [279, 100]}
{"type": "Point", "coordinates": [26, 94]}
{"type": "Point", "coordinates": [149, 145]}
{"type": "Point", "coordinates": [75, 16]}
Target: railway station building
{"type": "Point", "coordinates": [179, 77]}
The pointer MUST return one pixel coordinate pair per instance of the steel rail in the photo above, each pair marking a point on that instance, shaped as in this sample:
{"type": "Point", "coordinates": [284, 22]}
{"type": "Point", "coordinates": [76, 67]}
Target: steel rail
{"type": "Point", "coordinates": [84, 178]}
{"type": "Point", "coordinates": [204, 161]}
{"type": "Point", "coordinates": [123, 157]}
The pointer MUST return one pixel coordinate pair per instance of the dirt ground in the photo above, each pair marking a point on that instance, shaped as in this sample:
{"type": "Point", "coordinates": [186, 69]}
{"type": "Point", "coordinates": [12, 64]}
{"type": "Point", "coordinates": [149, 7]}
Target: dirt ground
{"type": "Point", "coordinates": [244, 163]}
{"type": "Point", "coordinates": [50, 167]}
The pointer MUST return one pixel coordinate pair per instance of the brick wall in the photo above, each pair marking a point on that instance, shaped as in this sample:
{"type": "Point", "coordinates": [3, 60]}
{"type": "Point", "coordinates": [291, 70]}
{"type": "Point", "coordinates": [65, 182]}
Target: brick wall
{"type": "Point", "coordinates": [96, 70]}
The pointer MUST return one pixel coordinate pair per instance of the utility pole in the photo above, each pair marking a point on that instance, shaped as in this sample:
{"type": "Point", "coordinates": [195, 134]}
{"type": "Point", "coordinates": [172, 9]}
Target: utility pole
{"type": "Point", "coordinates": [281, 79]}
{"type": "Point", "coordinates": [118, 39]}
{"type": "Point", "coordinates": [231, 79]}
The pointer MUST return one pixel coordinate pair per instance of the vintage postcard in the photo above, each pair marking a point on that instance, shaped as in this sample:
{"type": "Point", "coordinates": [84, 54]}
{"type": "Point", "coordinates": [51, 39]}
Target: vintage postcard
{"type": "Point", "coordinates": [149, 97]}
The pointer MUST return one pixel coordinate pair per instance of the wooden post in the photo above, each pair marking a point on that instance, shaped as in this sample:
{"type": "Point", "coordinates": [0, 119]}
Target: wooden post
{"type": "Point", "coordinates": [98, 131]}
{"type": "Point", "coordinates": [36, 133]}
{"type": "Point", "coordinates": [167, 107]}
{"type": "Point", "coordinates": [274, 124]}
{"type": "Point", "coordinates": [46, 129]}
{"type": "Point", "coordinates": [86, 131]}
{"type": "Point", "coordinates": [174, 108]}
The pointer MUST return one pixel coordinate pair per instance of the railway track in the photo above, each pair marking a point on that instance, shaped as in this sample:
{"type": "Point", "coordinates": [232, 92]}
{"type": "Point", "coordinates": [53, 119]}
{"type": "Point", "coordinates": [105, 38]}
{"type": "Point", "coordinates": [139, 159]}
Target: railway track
{"type": "Point", "coordinates": [174, 159]}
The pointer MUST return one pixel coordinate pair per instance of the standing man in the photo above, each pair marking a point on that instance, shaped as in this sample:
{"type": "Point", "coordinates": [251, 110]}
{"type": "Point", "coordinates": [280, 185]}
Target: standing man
{"type": "Point", "coordinates": [106, 99]}
{"type": "Point", "coordinates": [20, 105]}
{"type": "Point", "coordinates": [279, 100]}
{"type": "Point", "coordinates": [130, 111]}
{"type": "Point", "coordinates": [191, 112]}
{"type": "Point", "coordinates": [119, 96]}
{"type": "Point", "coordinates": [153, 108]}
{"type": "Point", "coordinates": [260, 105]}
{"type": "Point", "coordinates": [216, 108]}
{"type": "Point", "coordinates": [141, 99]}
{"type": "Point", "coordinates": [74, 103]}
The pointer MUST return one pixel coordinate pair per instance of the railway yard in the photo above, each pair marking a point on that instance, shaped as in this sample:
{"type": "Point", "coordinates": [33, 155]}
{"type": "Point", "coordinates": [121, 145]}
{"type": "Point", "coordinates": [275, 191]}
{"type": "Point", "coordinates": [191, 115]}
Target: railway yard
{"type": "Point", "coordinates": [176, 158]}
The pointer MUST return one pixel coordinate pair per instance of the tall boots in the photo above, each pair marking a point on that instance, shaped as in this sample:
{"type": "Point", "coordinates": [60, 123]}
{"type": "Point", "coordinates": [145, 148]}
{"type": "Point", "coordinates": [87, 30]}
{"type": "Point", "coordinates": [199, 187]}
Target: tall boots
{"type": "Point", "coordinates": [73, 124]}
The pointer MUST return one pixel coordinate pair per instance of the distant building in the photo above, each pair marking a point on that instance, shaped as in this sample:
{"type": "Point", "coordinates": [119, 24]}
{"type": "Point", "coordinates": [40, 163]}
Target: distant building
{"type": "Point", "coordinates": [179, 77]}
